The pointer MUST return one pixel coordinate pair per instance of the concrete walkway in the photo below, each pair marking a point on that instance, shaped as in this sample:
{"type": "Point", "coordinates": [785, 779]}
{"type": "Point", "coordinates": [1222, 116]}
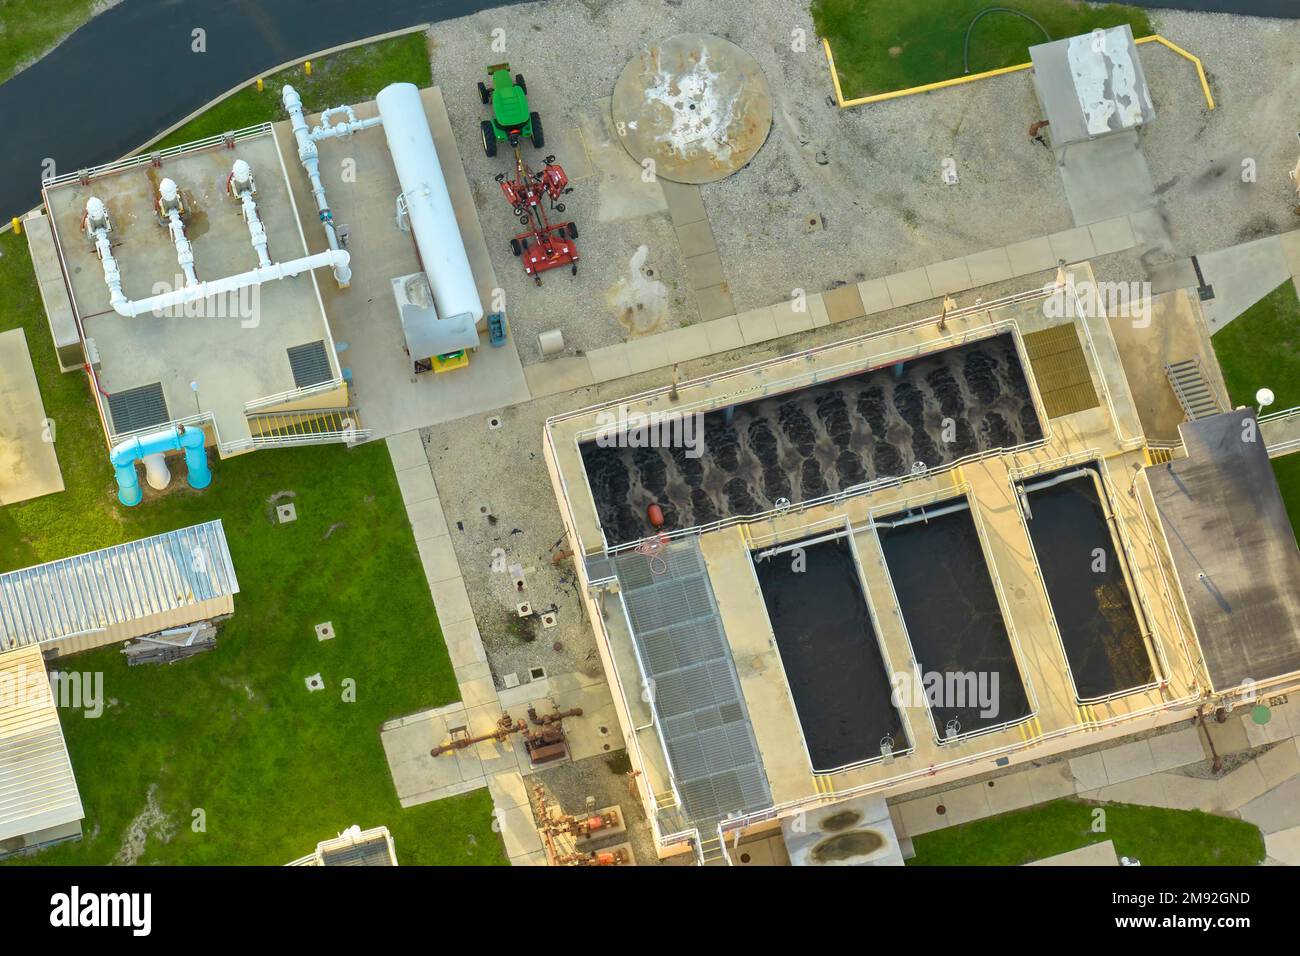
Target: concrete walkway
{"type": "Point", "coordinates": [1264, 790]}
{"type": "Point", "coordinates": [848, 302]}
{"type": "Point", "coordinates": [1242, 275]}
{"type": "Point", "coordinates": [29, 468]}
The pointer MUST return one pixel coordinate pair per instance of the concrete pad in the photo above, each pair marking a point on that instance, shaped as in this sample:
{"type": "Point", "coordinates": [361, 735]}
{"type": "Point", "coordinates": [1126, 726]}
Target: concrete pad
{"type": "Point", "coordinates": [451, 601]}
{"type": "Point", "coordinates": [1230, 736]}
{"type": "Point", "coordinates": [1278, 809]}
{"type": "Point", "coordinates": [518, 831]}
{"type": "Point", "coordinates": [874, 294]}
{"type": "Point", "coordinates": [1011, 792]}
{"type": "Point", "coordinates": [1072, 245]}
{"type": "Point", "coordinates": [464, 644]}
{"type": "Point", "coordinates": [538, 858]}
{"type": "Point", "coordinates": [29, 467]}
{"type": "Point", "coordinates": [1272, 732]}
{"type": "Point", "coordinates": [1094, 854]}
{"type": "Point", "coordinates": [908, 287]}
{"type": "Point", "coordinates": [1106, 177]}
{"type": "Point", "coordinates": [1112, 235]}
{"type": "Point", "coordinates": [724, 334]}
{"type": "Point", "coordinates": [1284, 846]}
{"type": "Point", "coordinates": [684, 344]}
{"type": "Point", "coordinates": [1241, 276]}
{"type": "Point", "coordinates": [572, 152]}
{"type": "Point", "coordinates": [1032, 255]}
{"type": "Point", "coordinates": [439, 559]}
{"type": "Point", "coordinates": [714, 302]}
{"type": "Point", "coordinates": [757, 325]}
{"type": "Point", "coordinates": [417, 484]}
{"type": "Point", "coordinates": [553, 376]}
{"type": "Point", "coordinates": [696, 239]}
{"type": "Point", "coordinates": [1089, 772]}
{"type": "Point", "coordinates": [1291, 249]}
{"type": "Point", "coordinates": [704, 270]}
{"type": "Point", "coordinates": [948, 276]}
{"type": "Point", "coordinates": [967, 803]}
{"type": "Point", "coordinates": [406, 450]}
{"type": "Point", "coordinates": [609, 363]}
{"type": "Point", "coordinates": [685, 205]}
{"type": "Point", "coordinates": [647, 353]}
{"type": "Point", "coordinates": [919, 816]}
{"type": "Point", "coordinates": [1191, 793]}
{"type": "Point", "coordinates": [427, 519]}
{"type": "Point", "coordinates": [989, 266]}
{"type": "Point", "coordinates": [1146, 791]}
{"type": "Point", "coordinates": [508, 791]}
{"type": "Point", "coordinates": [1279, 764]}
{"type": "Point", "coordinates": [843, 304]}
{"type": "Point", "coordinates": [1177, 749]}
{"type": "Point", "coordinates": [1243, 785]}
{"type": "Point", "coordinates": [1128, 761]}
{"type": "Point", "coordinates": [1050, 782]}
{"type": "Point", "coordinates": [480, 692]}
{"type": "Point", "coordinates": [417, 776]}
{"type": "Point", "coordinates": [817, 309]}
{"type": "Point", "coordinates": [1172, 275]}
{"type": "Point", "coordinates": [788, 321]}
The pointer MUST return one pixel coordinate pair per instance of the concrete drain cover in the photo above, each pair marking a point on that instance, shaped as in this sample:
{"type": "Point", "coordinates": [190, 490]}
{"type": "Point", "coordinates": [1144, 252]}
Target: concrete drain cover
{"type": "Point", "coordinates": [325, 632]}
{"type": "Point", "coordinates": [314, 682]}
{"type": "Point", "coordinates": [698, 105]}
{"type": "Point", "coordinates": [286, 513]}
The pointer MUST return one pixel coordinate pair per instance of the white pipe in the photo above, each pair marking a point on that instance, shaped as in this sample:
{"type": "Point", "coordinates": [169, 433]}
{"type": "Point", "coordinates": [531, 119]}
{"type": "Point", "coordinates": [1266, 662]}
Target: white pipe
{"type": "Point", "coordinates": [242, 188]}
{"type": "Point", "coordinates": [336, 258]}
{"type": "Point", "coordinates": [342, 130]}
{"type": "Point", "coordinates": [97, 225]}
{"type": "Point", "coordinates": [308, 156]}
{"type": "Point", "coordinates": [170, 206]}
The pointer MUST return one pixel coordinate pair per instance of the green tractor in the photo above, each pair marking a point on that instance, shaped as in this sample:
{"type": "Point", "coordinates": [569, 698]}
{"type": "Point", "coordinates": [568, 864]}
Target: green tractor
{"type": "Point", "coordinates": [511, 120]}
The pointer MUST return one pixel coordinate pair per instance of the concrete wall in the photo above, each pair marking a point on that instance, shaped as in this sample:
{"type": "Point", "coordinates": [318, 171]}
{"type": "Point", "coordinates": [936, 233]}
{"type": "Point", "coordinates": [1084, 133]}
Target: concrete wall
{"type": "Point", "coordinates": [31, 842]}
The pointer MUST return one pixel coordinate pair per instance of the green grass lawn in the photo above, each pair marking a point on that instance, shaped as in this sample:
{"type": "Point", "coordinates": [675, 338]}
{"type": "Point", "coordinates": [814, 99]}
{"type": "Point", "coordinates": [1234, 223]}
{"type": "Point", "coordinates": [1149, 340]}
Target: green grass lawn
{"type": "Point", "coordinates": [1154, 836]}
{"type": "Point", "coordinates": [1261, 347]}
{"type": "Point", "coordinates": [885, 45]}
{"type": "Point", "coordinates": [29, 30]}
{"type": "Point", "coordinates": [349, 77]}
{"type": "Point", "coordinates": [1287, 470]}
{"type": "Point", "coordinates": [234, 732]}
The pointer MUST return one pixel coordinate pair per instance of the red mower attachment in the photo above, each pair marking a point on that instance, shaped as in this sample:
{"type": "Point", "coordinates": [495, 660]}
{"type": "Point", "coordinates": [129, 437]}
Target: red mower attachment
{"type": "Point", "coordinates": [545, 245]}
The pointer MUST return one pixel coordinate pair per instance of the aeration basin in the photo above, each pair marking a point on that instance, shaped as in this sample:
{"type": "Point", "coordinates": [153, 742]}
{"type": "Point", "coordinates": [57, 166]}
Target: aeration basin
{"type": "Point", "coordinates": [968, 673]}
{"type": "Point", "coordinates": [830, 652]}
{"type": "Point", "coordinates": [1086, 583]}
{"type": "Point", "coordinates": [821, 439]}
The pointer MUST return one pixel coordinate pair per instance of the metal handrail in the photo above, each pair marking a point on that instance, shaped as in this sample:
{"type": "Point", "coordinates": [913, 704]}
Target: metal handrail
{"type": "Point", "coordinates": [294, 394]}
{"type": "Point", "coordinates": [144, 159]}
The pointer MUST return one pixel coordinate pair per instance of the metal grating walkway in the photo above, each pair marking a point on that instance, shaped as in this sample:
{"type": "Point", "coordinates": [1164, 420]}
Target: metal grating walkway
{"type": "Point", "coordinates": [696, 693]}
{"type": "Point", "coordinates": [310, 364]}
{"type": "Point", "coordinates": [137, 408]}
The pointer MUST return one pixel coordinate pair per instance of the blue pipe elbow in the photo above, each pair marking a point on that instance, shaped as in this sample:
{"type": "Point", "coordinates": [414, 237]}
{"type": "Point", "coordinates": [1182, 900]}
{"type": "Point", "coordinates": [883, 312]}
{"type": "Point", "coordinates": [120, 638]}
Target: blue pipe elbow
{"type": "Point", "coordinates": [196, 458]}
{"type": "Point", "coordinates": [125, 454]}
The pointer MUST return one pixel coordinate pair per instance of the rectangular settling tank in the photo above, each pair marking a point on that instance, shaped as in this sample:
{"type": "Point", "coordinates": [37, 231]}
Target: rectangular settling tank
{"type": "Point", "coordinates": [830, 653]}
{"type": "Point", "coordinates": [813, 441]}
{"type": "Point", "coordinates": [953, 618]}
{"type": "Point", "coordinates": [1086, 583]}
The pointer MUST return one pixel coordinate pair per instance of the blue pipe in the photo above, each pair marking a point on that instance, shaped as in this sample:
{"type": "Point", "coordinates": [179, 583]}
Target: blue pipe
{"type": "Point", "coordinates": [125, 454]}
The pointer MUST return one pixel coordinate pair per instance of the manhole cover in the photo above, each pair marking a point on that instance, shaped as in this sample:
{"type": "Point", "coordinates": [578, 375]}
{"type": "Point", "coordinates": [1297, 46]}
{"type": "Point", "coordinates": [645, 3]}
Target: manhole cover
{"type": "Point", "coordinates": [698, 105]}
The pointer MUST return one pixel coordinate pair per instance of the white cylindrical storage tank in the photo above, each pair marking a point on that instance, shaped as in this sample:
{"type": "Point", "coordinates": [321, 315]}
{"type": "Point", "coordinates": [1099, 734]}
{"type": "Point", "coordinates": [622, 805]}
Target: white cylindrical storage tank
{"type": "Point", "coordinates": [431, 217]}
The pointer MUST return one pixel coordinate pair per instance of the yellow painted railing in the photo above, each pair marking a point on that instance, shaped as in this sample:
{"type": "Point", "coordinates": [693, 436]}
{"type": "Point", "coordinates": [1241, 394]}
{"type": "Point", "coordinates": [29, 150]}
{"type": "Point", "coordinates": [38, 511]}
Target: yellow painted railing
{"type": "Point", "coordinates": [987, 74]}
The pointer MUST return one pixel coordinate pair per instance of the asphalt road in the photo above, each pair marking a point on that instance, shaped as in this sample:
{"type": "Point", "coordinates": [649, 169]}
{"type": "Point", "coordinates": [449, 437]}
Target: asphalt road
{"type": "Point", "coordinates": [131, 72]}
{"type": "Point", "coordinates": [1286, 9]}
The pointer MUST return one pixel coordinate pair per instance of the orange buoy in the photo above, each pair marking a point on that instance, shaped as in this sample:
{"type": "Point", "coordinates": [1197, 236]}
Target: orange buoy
{"type": "Point", "coordinates": [656, 515]}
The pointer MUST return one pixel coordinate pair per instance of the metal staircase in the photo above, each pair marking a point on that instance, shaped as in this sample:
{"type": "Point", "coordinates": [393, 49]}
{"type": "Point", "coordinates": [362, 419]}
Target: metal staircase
{"type": "Point", "coordinates": [1190, 387]}
{"type": "Point", "coordinates": [712, 850]}
{"type": "Point", "coordinates": [308, 426]}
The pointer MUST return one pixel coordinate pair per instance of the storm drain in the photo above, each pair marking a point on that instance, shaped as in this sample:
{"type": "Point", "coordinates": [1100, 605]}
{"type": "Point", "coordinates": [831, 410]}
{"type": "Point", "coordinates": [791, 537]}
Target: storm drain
{"type": "Point", "coordinates": [310, 364]}
{"type": "Point", "coordinates": [138, 408]}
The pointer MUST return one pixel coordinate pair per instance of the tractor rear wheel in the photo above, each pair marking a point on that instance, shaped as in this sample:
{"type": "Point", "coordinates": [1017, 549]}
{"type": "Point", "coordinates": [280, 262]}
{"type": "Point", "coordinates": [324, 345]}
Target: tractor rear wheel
{"type": "Point", "coordinates": [573, 230]}
{"type": "Point", "coordinates": [519, 82]}
{"type": "Point", "coordinates": [483, 93]}
{"type": "Point", "coordinates": [538, 139]}
{"type": "Point", "coordinates": [489, 138]}
{"type": "Point", "coordinates": [516, 248]}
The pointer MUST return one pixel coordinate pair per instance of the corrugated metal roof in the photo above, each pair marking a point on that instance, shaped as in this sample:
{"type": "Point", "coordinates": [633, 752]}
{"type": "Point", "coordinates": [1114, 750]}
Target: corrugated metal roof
{"type": "Point", "coordinates": [37, 788]}
{"type": "Point", "coordinates": [116, 585]}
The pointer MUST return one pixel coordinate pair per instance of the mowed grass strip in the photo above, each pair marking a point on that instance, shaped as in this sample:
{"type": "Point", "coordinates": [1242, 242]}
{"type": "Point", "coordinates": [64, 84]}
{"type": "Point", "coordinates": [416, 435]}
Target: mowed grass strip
{"type": "Point", "coordinates": [885, 45]}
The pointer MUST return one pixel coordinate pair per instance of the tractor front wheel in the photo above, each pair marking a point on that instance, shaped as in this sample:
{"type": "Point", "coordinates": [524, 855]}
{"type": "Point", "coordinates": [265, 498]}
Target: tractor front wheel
{"type": "Point", "coordinates": [516, 248]}
{"type": "Point", "coordinates": [538, 139]}
{"type": "Point", "coordinates": [573, 230]}
{"type": "Point", "coordinates": [519, 82]}
{"type": "Point", "coordinates": [489, 138]}
{"type": "Point", "coordinates": [483, 93]}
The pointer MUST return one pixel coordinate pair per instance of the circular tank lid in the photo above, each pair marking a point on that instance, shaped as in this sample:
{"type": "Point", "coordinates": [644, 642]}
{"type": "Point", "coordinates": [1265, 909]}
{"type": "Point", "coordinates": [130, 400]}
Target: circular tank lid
{"type": "Point", "coordinates": [698, 105]}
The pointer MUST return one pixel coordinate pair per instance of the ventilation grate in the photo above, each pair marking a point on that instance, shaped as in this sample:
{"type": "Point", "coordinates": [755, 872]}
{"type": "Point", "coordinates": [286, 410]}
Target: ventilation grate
{"type": "Point", "coordinates": [310, 364]}
{"type": "Point", "coordinates": [138, 408]}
